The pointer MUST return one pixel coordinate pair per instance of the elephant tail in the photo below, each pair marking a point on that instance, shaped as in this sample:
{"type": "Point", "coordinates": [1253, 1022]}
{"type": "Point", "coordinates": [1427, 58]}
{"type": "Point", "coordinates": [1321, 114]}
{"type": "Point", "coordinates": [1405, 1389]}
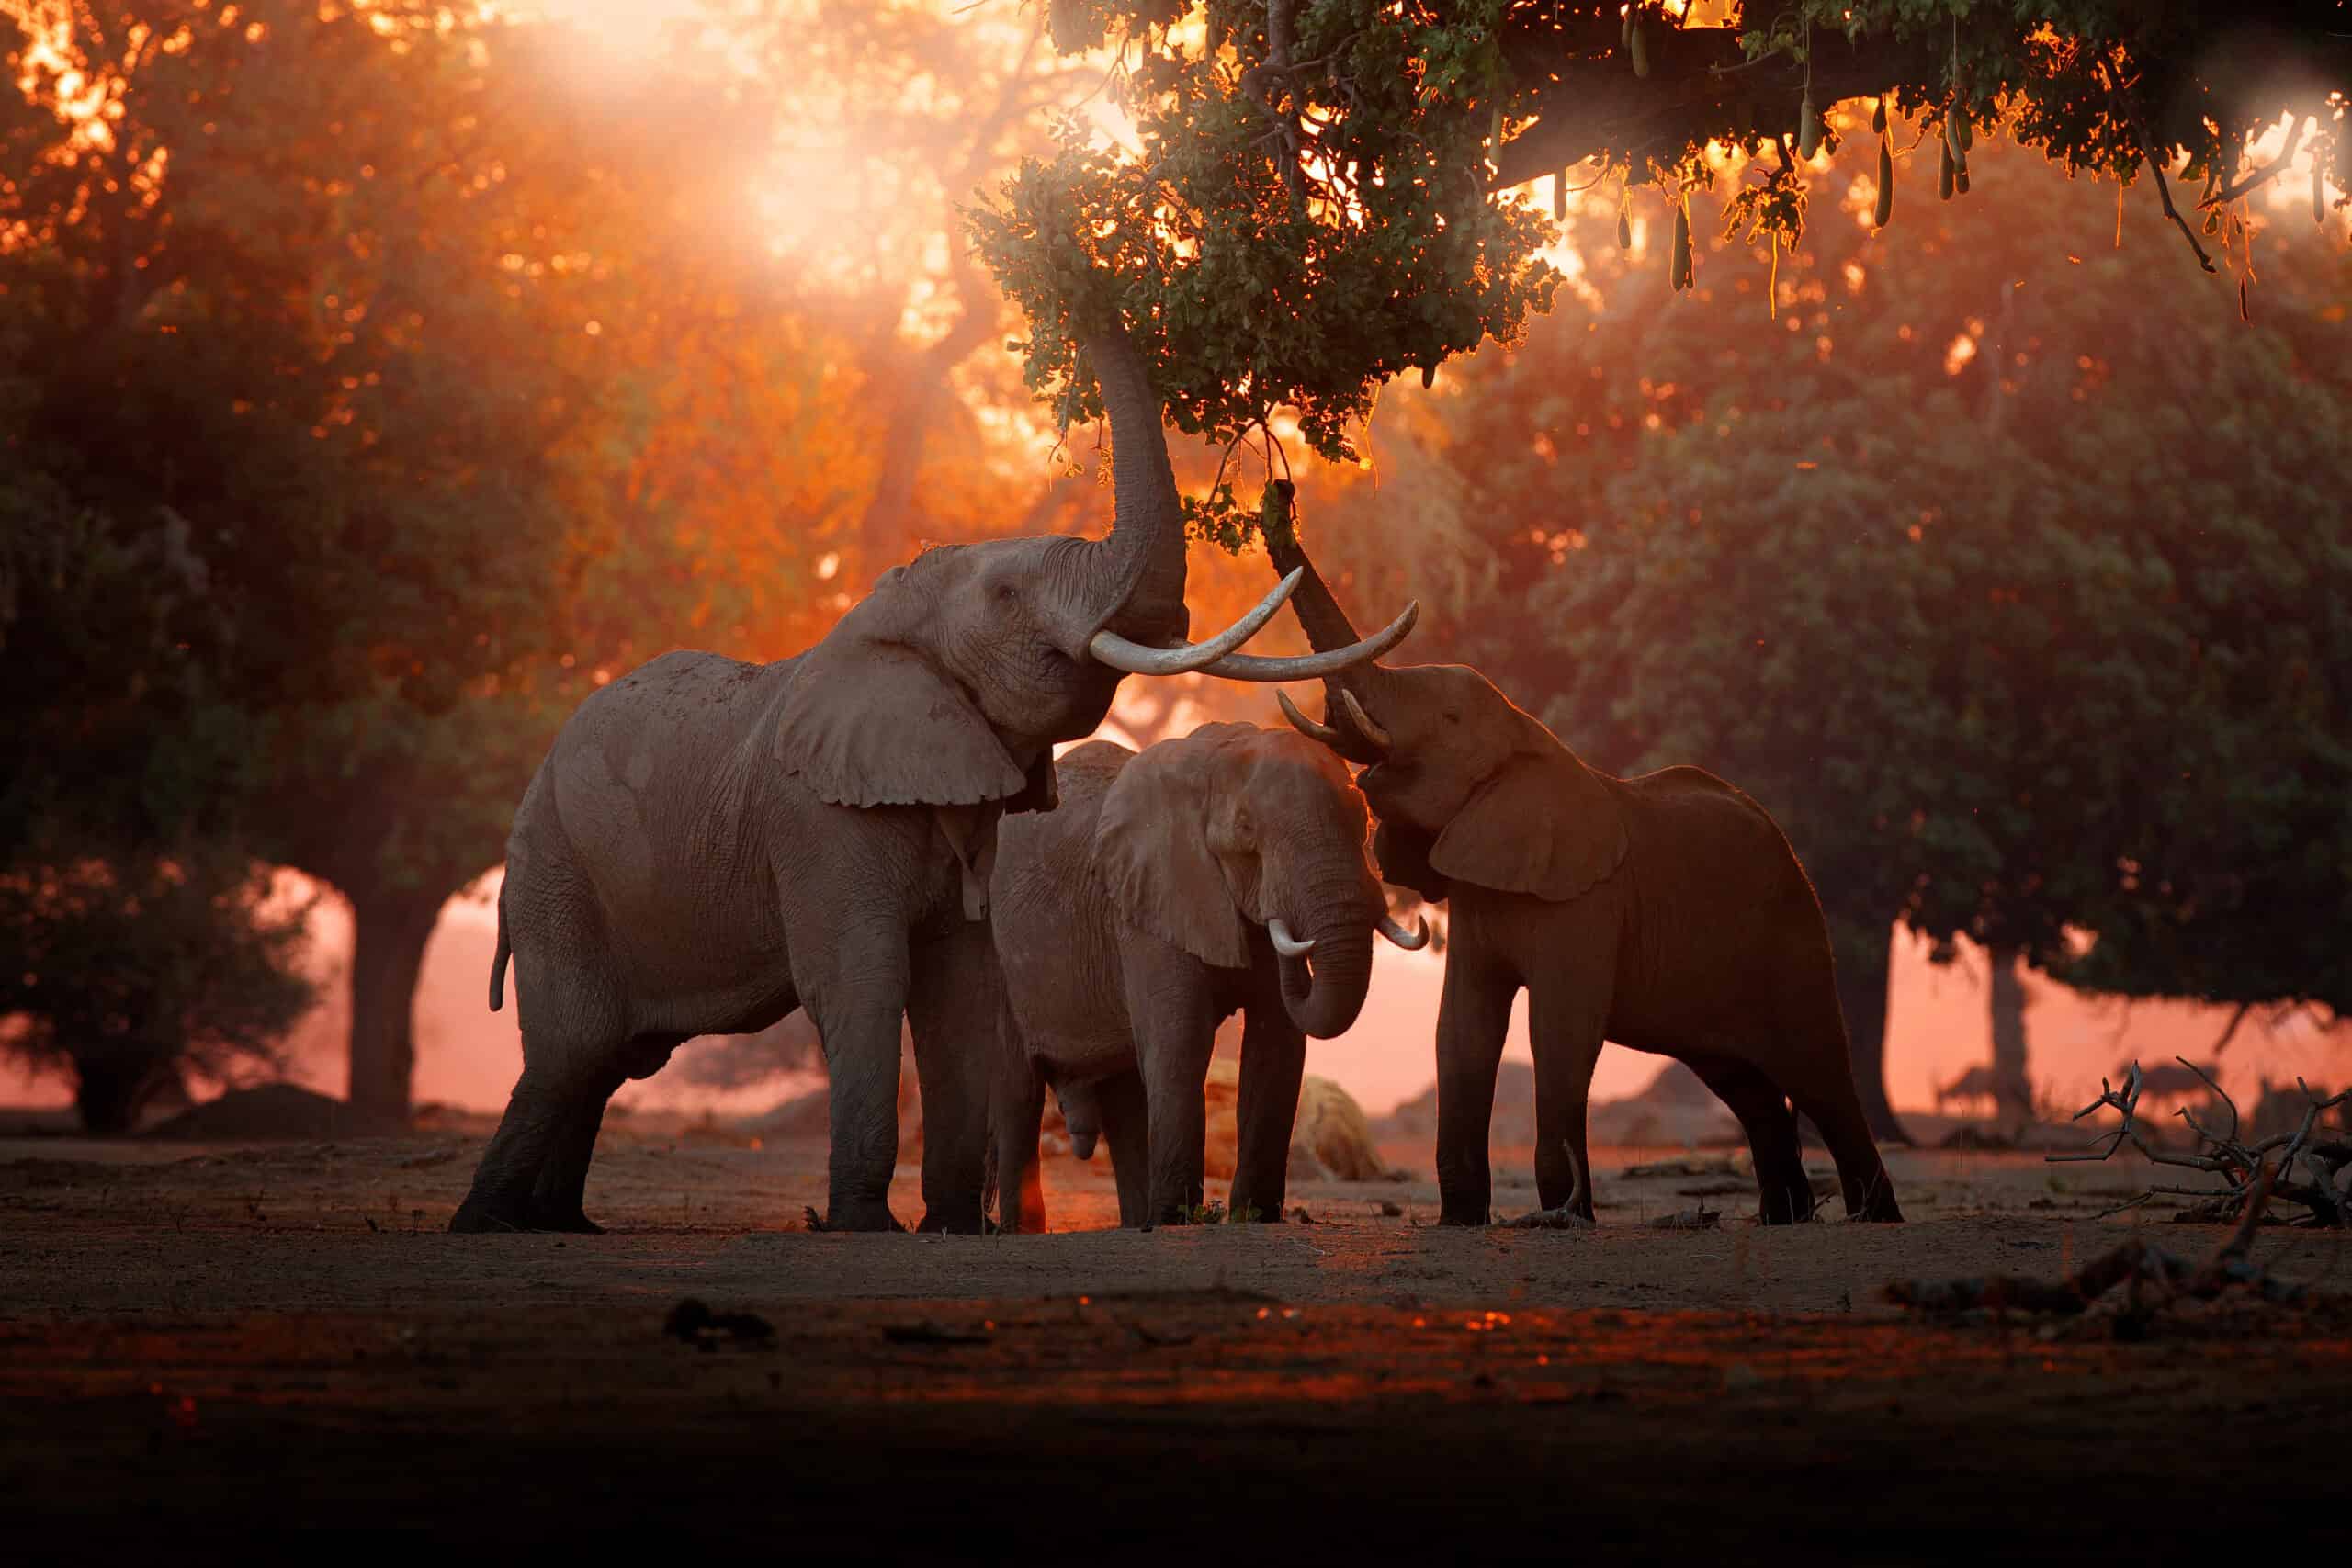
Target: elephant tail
{"type": "Point", "coordinates": [498, 963]}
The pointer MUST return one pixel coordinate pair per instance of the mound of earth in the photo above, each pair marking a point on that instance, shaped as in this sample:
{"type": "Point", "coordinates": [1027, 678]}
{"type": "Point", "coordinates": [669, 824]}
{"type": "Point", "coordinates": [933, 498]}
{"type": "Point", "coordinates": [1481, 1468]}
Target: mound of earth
{"type": "Point", "coordinates": [1675, 1109]}
{"type": "Point", "coordinates": [275, 1110]}
{"type": "Point", "coordinates": [1330, 1141]}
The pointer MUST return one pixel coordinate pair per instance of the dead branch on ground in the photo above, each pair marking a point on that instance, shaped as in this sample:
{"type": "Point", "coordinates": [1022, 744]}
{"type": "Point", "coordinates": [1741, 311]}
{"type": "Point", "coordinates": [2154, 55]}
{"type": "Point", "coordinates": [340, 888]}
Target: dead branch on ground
{"type": "Point", "coordinates": [2320, 1190]}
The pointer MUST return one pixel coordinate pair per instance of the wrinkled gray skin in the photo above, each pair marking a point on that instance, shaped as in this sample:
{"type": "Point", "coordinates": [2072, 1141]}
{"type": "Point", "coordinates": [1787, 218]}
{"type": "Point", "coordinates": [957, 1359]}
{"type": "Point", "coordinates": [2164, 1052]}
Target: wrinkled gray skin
{"type": "Point", "coordinates": [1132, 920]}
{"type": "Point", "coordinates": [711, 844]}
{"type": "Point", "coordinates": [1664, 912]}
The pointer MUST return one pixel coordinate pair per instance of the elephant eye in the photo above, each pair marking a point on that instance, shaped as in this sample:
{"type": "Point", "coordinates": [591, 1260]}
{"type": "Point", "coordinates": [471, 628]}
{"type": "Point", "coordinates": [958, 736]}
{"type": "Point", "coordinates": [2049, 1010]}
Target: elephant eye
{"type": "Point", "coordinates": [1006, 593]}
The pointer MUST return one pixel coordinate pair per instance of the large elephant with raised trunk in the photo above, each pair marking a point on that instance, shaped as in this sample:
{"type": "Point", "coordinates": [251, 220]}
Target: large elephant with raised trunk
{"type": "Point", "coordinates": [710, 844]}
{"type": "Point", "coordinates": [1220, 872]}
{"type": "Point", "coordinates": [1666, 912]}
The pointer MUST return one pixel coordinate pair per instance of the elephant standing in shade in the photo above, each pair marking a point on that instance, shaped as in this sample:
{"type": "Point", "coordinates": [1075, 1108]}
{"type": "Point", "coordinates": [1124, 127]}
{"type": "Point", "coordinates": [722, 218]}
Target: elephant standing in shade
{"type": "Point", "coordinates": [1222, 872]}
{"type": "Point", "coordinates": [1664, 912]}
{"type": "Point", "coordinates": [710, 844]}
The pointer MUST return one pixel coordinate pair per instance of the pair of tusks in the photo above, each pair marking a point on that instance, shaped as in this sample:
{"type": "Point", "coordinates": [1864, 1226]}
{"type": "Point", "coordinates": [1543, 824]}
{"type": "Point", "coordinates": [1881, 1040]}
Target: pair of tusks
{"type": "Point", "coordinates": [1290, 946]}
{"type": "Point", "coordinates": [1324, 732]}
{"type": "Point", "coordinates": [1216, 655]}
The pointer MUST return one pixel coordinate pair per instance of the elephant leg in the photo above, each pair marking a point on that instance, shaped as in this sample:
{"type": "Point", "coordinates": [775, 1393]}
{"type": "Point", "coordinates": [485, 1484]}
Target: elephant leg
{"type": "Point", "coordinates": [1473, 1018]}
{"type": "Point", "coordinates": [1175, 1030]}
{"type": "Point", "coordinates": [953, 1003]}
{"type": "Point", "coordinates": [527, 1142]}
{"type": "Point", "coordinates": [559, 1195]}
{"type": "Point", "coordinates": [1016, 1110]}
{"type": "Point", "coordinates": [1816, 1067]}
{"type": "Point", "coordinates": [855, 987]}
{"type": "Point", "coordinates": [1273, 1062]}
{"type": "Point", "coordinates": [1829, 1098]}
{"type": "Point", "coordinates": [1565, 1018]}
{"type": "Point", "coordinates": [1126, 1127]}
{"type": "Point", "coordinates": [1784, 1197]}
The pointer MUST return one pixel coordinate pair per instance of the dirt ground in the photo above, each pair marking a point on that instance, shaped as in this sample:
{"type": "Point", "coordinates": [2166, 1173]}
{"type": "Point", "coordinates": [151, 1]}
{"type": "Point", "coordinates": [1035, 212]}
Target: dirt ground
{"type": "Point", "coordinates": [209, 1344]}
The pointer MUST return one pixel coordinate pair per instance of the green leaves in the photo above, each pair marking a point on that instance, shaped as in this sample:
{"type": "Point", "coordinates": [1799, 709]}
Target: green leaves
{"type": "Point", "coordinates": [1290, 234]}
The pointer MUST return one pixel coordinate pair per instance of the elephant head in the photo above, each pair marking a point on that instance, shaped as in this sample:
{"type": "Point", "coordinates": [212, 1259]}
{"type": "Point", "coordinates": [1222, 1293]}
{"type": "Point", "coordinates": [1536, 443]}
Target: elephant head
{"type": "Point", "coordinates": [1234, 827]}
{"type": "Point", "coordinates": [1467, 786]}
{"type": "Point", "coordinates": [950, 682]}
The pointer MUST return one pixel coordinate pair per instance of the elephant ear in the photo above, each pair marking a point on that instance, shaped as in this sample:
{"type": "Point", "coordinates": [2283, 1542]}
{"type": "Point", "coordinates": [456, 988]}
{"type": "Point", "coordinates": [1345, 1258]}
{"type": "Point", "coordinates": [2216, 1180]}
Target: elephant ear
{"type": "Point", "coordinates": [1545, 825]}
{"type": "Point", "coordinates": [872, 723]}
{"type": "Point", "coordinates": [1403, 855]}
{"type": "Point", "coordinates": [1151, 847]}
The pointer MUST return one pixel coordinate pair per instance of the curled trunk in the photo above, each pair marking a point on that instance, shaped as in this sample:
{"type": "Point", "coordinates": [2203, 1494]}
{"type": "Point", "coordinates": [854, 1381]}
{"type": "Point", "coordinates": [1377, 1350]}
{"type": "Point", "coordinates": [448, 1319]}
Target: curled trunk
{"type": "Point", "coordinates": [1323, 994]}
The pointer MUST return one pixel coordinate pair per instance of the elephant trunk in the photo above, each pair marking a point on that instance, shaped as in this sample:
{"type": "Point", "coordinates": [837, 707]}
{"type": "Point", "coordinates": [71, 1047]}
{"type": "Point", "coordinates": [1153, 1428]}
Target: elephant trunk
{"type": "Point", "coordinates": [1328, 627]}
{"type": "Point", "coordinates": [1143, 560]}
{"type": "Point", "coordinates": [1323, 994]}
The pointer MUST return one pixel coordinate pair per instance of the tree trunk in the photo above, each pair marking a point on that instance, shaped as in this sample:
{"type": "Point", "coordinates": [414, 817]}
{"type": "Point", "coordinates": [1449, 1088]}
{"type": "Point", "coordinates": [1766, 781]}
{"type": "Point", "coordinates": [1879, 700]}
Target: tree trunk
{"type": "Point", "coordinates": [112, 1083]}
{"type": "Point", "coordinates": [388, 933]}
{"type": "Point", "coordinates": [2012, 1090]}
{"type": "Point", "coordinates": [1864, 969]}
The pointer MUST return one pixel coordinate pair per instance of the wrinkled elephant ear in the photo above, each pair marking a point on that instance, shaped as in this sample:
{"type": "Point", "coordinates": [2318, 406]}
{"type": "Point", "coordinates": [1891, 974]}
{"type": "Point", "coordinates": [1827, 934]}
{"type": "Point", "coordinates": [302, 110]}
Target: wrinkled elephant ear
{"type": "Point", "coordinates": [1151, 846]}
{"type": "Point", "coordinates": [1545, 825]}
{"type": "Point", "coordinates": [872, 724]}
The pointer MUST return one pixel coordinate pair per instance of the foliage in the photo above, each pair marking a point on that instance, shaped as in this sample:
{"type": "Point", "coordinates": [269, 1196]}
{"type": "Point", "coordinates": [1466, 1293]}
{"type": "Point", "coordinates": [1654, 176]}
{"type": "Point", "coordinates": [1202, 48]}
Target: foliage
{"type": "Point", "coordinates": [129, 970]}
{"type": "Point", "coordinates": [1318, 198]}
{"type": "Point", "coordinates": [1303, 215]}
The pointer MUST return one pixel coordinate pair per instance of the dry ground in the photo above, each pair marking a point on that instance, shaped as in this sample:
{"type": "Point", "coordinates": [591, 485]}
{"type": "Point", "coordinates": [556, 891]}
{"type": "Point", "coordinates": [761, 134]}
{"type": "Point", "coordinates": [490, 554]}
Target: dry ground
{"type": "Point", "coordinates": [200, 1343]}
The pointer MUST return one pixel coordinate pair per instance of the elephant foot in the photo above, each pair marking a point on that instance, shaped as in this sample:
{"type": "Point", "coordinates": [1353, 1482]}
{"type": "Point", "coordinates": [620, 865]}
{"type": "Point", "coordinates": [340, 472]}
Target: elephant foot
{"type": "Point", "coordinates": [477, 1216]}
{"type": "Point", "coordinates": [953, 1223]}
{"type": "Point", "coordinates": [574, 1224]}
{"type": "Point", "coordinates": [1791, 1206]}
{"type": "Point", "coordinates": [1879, 1206]}
{"type": "Point", "coordinates": [860, 1214]}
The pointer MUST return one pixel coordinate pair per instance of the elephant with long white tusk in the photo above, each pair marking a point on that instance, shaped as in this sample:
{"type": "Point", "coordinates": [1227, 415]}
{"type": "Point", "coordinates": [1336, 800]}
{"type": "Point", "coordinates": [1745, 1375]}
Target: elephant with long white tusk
{"type": "Point", "coordinates": [710, 844]}
{"type": "Point", "coordinates": [1223, 871]}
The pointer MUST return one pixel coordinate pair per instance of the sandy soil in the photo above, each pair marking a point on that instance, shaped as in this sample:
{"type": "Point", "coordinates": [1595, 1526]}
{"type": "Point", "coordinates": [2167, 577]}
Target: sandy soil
{"type": "Point", "coordinates": [205, 1340]}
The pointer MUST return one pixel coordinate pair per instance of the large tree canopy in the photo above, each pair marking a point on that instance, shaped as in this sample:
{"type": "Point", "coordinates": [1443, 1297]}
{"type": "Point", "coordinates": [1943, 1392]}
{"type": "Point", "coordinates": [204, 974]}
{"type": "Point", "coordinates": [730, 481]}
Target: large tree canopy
{"type": "Point", "coordinates": [1321, 194]}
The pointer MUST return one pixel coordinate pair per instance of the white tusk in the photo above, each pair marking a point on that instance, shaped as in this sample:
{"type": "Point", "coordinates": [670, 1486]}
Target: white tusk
{"type": "Point", "coordinates": [1311, 666]}
{"type": "Point", "coordinates": [1412, 942]}
{"type": "Point", "coordinates": [1134, 657]}
{"type": "Point", "coordinates": [1286, 944]}
{"type": "Point", "coordinates": [1371, 731]}
{"type": "Point", "coordinates": [1303, 725]}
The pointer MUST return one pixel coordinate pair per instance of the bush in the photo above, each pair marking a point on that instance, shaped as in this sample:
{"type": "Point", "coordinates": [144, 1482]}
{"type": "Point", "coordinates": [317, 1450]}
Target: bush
{"type": "Point", "coordinates": [125, 972]}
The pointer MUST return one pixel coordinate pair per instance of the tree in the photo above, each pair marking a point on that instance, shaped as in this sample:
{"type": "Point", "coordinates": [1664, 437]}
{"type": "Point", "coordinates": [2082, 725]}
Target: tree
{"type": "Point", "coordinates": [305, 337]}
{"type": "Point", "coordinates": [1320, 197]}
{"type": "Point", "coordinates": [2007, 591]}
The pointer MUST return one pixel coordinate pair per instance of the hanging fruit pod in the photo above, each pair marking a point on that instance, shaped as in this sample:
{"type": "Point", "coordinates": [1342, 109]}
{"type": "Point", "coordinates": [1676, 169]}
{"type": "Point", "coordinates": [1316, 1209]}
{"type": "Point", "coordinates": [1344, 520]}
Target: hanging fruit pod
{"type": "Point", "coordinates": [1885, 209]}
{"type": "Point", "coordinates": [1681, 261]}
{"type": "Point", "coordinates": [1808, 126]}
{"type": "Point", "coordinates": [1944, 174]}
{"type": "Point", "coordinates": [1640, 44]}
{"type": "Point", "coordinates": [1560, 196]}
{"type": "Point", "coordinates": [1624, 228]}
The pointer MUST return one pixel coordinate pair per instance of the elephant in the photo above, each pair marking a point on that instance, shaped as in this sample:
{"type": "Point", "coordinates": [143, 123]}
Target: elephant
{"type": "Point", "coordinates": [1667, 912]}
{"type": "Point", "coordinates": [710, 844]}
{"type": "Point", "coordinates": [1172, 888]}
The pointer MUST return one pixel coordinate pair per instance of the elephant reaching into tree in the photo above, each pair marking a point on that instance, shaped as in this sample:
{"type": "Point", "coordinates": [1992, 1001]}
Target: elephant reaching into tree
{"type": "Point", "coordinates": [1169, 889]}
{"type": "Point", "coordinates": [1664, 912]}
{"type": "Point", "coordinates": [710, 844]}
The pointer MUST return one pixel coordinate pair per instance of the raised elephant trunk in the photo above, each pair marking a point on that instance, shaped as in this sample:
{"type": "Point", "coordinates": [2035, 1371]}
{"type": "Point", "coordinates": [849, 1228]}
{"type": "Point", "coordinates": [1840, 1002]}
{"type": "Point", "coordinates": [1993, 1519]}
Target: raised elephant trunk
{"type": "Point", "coordinates": [1130, 615]}
{"type": "Point", "coordinates": [1146, 550]}
{"type": "Point", "coordinates": [1346, 729]}
{"type": "Point", "coordinates": [1323, 995]}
